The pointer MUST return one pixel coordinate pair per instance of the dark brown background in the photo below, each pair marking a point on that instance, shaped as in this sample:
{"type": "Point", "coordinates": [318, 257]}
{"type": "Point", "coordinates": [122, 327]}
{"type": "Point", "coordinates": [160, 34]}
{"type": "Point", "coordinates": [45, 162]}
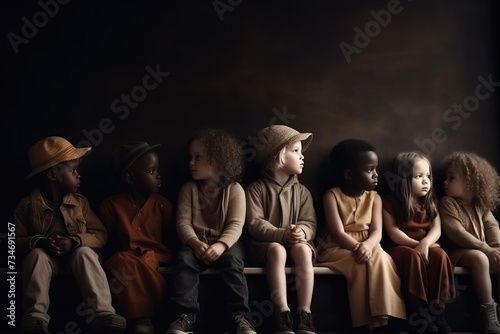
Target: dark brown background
{"type": "Point", "coordinates": [264, 56]}
{"type": "Point", "coordinates": [235, 73]}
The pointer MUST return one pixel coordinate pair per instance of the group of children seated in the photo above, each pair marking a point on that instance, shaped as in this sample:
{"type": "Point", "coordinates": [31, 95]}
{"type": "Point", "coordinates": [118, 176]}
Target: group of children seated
{"type": "Point", "coordinates": [271, 223]}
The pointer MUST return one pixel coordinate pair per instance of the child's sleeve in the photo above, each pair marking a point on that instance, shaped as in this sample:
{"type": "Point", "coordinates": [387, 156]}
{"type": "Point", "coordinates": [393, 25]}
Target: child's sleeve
{"type": "Point", "coordinates": [95, 234]}
{"type": "Point", "coordinates": [491, 230]}
{"type": "Point", "coordinates": [307, 215]}
{"type": "Point", "coordinates": [257, 226]}
{"type": "Point", "coordinates": [454, 230]}
{"type": "Point", "coordinates": [185, 212]}
{"type": "Point", "coordinates": [235, 218]}
{"type": "Point", "coordinates": [24, 241]}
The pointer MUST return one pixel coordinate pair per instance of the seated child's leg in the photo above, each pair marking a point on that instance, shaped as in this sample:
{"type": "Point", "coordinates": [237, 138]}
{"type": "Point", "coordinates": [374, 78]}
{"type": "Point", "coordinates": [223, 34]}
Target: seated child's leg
{"type": "Point", "coordinates": [276, 259]}
{"type": "Point", "coordinates": [304, 281]}
{"type": "Point", "coordinates": [93, 283]}
{"type": "Point", "coordinates": [185, 282]}
{"type": "Point", "coordinates": [231, 268]}
{"type": "Point", "coordinates": [478, 264]}
{"type": "Point", "coordinates": [301, 255]}
{"type": "Point", "coordinates": [38, 270]}
{"type": "Point", "coordinates": [91, 279]}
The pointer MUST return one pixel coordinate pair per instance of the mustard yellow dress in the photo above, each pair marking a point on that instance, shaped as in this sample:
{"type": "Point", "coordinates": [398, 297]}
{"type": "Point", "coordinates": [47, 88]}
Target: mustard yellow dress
{"type": "Point", "coordinates": [373, 287]}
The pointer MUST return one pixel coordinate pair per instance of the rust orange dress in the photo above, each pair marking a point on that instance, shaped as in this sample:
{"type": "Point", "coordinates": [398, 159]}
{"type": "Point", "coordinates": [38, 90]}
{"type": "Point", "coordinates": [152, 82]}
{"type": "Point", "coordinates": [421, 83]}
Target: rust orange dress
{"type": "Point", "coordinates": [137, 248]}
{"type": "Point", "coordinates": [422, 281]}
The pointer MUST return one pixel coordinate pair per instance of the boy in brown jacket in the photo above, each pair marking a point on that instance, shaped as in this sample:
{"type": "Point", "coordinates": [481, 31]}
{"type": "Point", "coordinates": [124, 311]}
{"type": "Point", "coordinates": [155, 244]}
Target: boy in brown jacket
{"type": "Point", "coordinates": [57, 229]}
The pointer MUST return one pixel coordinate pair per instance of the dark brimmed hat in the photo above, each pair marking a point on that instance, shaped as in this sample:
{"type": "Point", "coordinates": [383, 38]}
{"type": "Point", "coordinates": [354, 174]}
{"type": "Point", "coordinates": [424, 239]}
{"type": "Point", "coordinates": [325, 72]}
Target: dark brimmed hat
{"type": "Point", "coordinates": [128, 153]}
{"type": "Point", "coordinates": [273, 138]}
{"type": "Point", "coordinates": [50, 151]}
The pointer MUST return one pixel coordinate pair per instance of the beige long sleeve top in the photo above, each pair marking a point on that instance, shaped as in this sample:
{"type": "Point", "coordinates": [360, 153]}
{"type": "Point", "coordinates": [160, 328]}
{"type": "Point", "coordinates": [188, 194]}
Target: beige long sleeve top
{"type": "Point", "coordinates": [459, 229]}
{"type": "Point", "coordinates": [190, 221]}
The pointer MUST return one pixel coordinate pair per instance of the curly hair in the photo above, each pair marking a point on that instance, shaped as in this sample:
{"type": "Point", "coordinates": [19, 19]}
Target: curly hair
{"type": "Point", "coordinates": [223, 150]}
{"type": "Point", "coordinates": [481, 178]}
{"type": "Point", "coordinates": [403, 190]}
{"type": "Point", "coordinates": [344, 156]}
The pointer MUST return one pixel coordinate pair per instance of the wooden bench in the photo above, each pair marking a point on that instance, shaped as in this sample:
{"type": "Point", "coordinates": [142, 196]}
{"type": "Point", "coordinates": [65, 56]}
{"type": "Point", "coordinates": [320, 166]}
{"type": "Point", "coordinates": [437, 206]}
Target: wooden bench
{"type": "Point", "coordinates": [330, 301]}
{"type": "Point", "coordinates": [259, 271]}
{"type": "Point", "coordinates": [290, 270]}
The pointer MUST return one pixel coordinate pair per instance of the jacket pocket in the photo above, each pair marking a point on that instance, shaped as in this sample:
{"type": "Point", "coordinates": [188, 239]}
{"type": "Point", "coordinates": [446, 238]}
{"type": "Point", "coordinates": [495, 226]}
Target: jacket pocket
{"type": "Point", "coordinates": [80, 225]}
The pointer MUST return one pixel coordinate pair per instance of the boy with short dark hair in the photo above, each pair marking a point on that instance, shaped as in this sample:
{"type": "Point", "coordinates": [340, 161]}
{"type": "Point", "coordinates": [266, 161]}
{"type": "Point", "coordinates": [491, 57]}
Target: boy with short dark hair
{"type": "Point", "coordinates": [138, 220]}
{"type": "Point", "coordinates": [57, 229]}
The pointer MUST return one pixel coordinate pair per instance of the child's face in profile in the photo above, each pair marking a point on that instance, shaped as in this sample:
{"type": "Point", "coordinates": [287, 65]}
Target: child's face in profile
{"type": "Point", "coordinates": [294, 160]}
{"type": "Point", "coordinates": [67, 178]}
{"type": "Point", "coordinates": [364, 173]}
{"type": "Point", "coordinates": [200, 167]}
{"type": "Point", "coordinates": [147, 177]}
{"type": "Point", "coordinates": [454, 184]}
{"type": "Point", "coordinates": [421, 178]}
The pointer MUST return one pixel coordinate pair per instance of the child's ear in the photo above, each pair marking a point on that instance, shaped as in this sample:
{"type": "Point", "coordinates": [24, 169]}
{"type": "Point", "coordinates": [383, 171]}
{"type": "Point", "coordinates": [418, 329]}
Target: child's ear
{"type": "Point", "coordinates": [347, 174]}
{"type": "Point", "coordinates": [129, 178]}
{"type": "Point", "coordinates": [51, 174]}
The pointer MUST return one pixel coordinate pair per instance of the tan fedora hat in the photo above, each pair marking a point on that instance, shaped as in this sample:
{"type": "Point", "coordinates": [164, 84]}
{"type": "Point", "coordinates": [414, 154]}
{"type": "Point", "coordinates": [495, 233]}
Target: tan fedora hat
{"type": "Point", "coordinates": [51, 151]}
{"type": "Point", "coordinates": [273, 138]}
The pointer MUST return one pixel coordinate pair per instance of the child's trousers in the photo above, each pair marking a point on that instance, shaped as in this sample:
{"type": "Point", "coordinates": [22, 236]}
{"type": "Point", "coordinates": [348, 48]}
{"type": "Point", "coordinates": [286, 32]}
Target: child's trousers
{"type": "Point", "coordinates": [186, 281]}
{"type": "Point", "coordinates": [83, 262]}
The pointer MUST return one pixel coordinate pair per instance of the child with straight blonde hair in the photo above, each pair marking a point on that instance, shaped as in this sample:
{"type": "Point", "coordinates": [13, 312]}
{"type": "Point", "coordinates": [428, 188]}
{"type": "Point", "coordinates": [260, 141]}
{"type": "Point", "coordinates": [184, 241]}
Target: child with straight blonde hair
{"type": "Point", "coordinates": [472, 188]}
{"type": "Point", "coordinates": [281, 223]}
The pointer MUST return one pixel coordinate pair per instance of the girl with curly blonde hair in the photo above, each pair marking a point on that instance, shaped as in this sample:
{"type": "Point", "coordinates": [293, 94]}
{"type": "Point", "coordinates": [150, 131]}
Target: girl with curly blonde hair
{"type": "Point", "coordinates": [472, 188]}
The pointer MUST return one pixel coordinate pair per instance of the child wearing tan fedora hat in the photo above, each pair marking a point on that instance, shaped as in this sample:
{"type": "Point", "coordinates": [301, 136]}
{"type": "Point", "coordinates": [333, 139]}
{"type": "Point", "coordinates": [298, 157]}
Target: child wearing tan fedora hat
{"type": "Point", "coordinates": [281, 223]}
{"type": "Point", "coordinates": [55, 229]}
{"type": "Point", "coordinates": [138, 221]}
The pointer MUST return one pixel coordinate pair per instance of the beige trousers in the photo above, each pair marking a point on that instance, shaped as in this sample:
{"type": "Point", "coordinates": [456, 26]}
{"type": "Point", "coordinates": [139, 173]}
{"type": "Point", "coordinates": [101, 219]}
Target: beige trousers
{"type": "Point", "coordinates": [83, 263]}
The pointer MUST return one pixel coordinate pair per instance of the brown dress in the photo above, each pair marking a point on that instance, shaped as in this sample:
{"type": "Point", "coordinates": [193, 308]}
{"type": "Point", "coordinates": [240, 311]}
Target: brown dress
{"type": "Point", "coordinates": [422, 281]}
{"type": "Point", "coordinates": [136, 241]}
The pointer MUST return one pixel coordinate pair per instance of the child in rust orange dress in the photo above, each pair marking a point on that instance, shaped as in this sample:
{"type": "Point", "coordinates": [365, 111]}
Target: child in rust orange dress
{"type": "Point", "coordinates": [136, 220]}
{"type": "Point", "coordinates": [412, 222]}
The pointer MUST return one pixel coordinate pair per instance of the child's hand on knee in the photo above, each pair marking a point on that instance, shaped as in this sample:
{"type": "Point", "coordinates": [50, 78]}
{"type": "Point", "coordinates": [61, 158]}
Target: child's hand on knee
{"type": "Point", "coordinates": [63, 243]}
{"type": "Point", "coordinates": [199, 247]}
{"type": "Point", "coordinates": [49, 246]}
{"type": "Point", "coordinates": [213, 252]}
{"type": "Point", "coordinates": [294, 235]}
{"type": "Point", "coordinates": [363, 254]}
{"type": "Point", "coordinates": [494, 258]}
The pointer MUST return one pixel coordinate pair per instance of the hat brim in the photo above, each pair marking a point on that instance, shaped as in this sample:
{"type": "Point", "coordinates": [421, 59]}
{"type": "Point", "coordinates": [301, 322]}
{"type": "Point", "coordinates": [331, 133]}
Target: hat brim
{"type": "Point", "coordinates": [305, 138]}
{"type": "Point", "coordinates": [77, 153]}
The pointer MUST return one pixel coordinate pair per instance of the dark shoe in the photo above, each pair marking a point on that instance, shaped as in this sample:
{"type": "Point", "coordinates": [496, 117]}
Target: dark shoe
{"type": "Point", "coordinates": [304, 323]}
{"type": "Point", "coordinates": [441, 324]}
{"type": "Point", "coordinates": [284, 323]}
{"type": "Point", "coordinates": [431, 326]}
{"type": "Point", "coordinates": [491, 325]}
{"type": "Point", "coordinates": [243, 326]}
{"type": "Point", "coordinates": [109, 323]}
{"type": "Point", "coordinates": [182, 325]}
{"type": "Point", "coordinates": [144, 326]}
{"type": "Point", "coordinates": [34, 325]}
